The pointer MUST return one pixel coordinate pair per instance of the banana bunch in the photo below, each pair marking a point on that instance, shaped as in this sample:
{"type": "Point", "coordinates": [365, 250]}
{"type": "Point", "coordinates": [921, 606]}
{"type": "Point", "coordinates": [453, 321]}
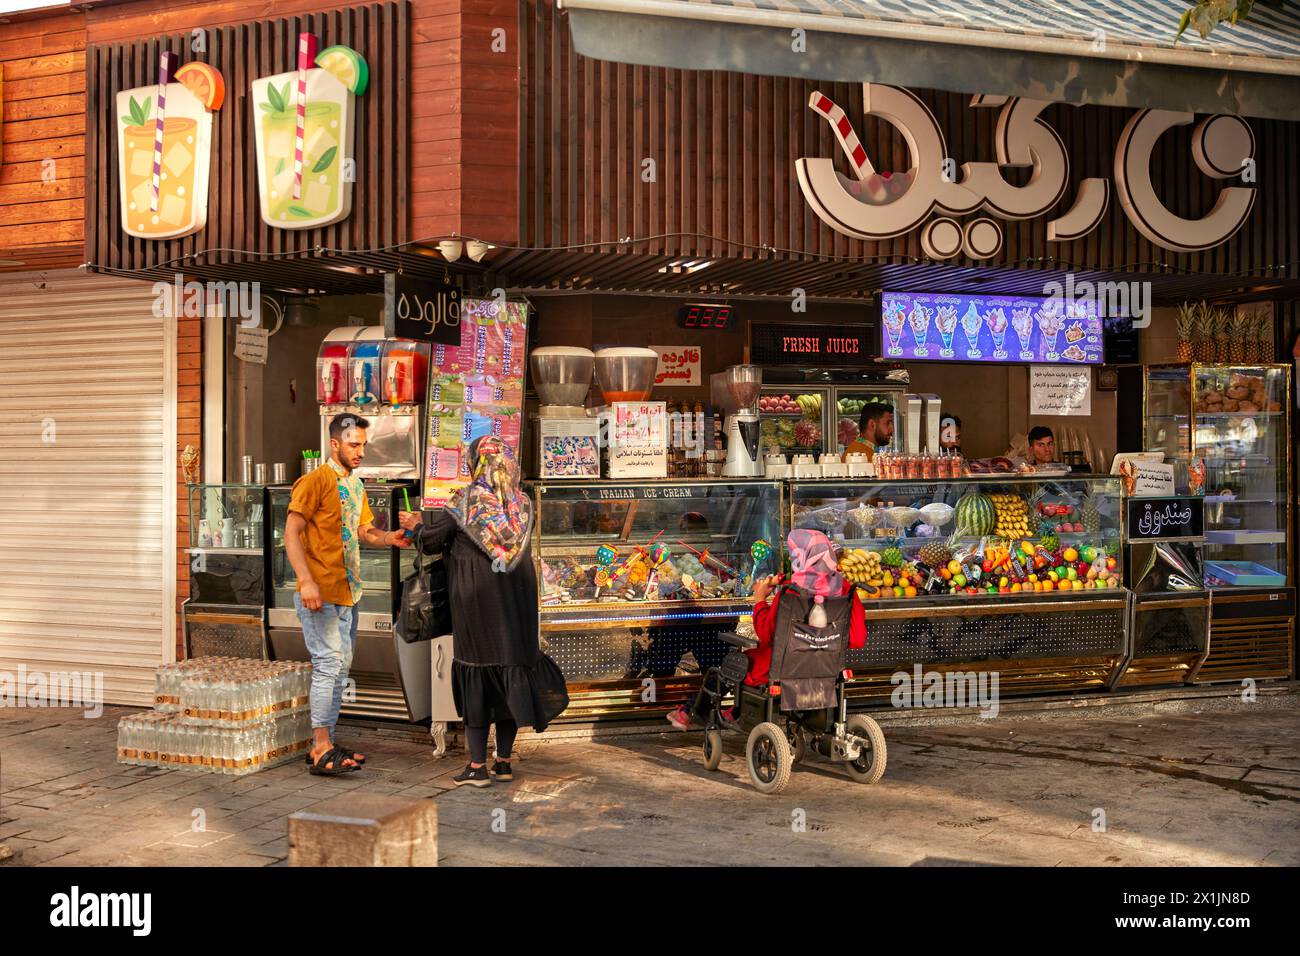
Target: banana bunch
{"type": "Point", "coordinates": [1012, 516]}
{"type": "Point", "coordinates": [860, 566]}
{"type": "Point", "coordinates": [810, 405]}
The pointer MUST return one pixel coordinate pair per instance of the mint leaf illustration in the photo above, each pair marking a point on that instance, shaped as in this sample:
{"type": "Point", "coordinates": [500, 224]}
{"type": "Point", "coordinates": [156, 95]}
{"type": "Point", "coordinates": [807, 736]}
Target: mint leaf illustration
{"type": "Point", "coordinates": [279, 167]}
{"type": "Point", "coordinates": [277, 101]}
{"type": "Point", "coordinates": [326, 158]}
{"type": "Point", "coordinates": [299, 211]}
{"type": "Point", "coordinates": [139, 113]}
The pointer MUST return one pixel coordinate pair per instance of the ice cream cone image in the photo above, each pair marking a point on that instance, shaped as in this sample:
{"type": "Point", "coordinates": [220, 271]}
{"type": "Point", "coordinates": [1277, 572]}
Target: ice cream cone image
{"type": "Point", "coordinates": [919, 319]}
{"type": "Point", "coordinates": [945, 319]}
{"type": "Point", "coordinates": [996, 320]}
{"type": "Point", "coordinates": [1022, 320]}
{"type": "Point", "coordinates": [893, 318]}
{"type": "Point", "coordinates": [971, 323]}
{"type": "Point", "coordinates": [1050, 321]}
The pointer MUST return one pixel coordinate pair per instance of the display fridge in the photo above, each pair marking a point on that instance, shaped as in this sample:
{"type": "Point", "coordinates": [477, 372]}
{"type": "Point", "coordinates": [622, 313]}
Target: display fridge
{"type": "Point", "coordinates": [392, 677]}
{"type": "Point", "coordinates": [818, 413]}
{"type": "Point", "coordinates": [1235, 419]}
{"type": "Point", "coordinates": [223, 615]}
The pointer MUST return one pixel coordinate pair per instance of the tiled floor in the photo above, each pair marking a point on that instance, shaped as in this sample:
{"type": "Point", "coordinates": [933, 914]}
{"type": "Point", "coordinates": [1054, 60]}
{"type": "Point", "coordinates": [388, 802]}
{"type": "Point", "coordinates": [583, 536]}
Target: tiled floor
{"type": "Point", "coordinates": [1221, 786]}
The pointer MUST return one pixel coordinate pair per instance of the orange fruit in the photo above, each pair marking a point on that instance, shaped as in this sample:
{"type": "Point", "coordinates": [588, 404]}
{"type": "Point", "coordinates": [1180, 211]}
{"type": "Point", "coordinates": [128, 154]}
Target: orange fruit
{"type": "Point", "coordinates": [203, 81]}
{"type": "Point", "coordinates": [909, 592]}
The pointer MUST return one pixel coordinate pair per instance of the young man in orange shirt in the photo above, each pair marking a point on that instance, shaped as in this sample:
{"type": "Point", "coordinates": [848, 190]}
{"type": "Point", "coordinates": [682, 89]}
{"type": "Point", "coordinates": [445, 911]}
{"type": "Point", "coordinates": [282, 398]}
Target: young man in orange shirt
{"type": "Point", "coordinates": [329, 517]}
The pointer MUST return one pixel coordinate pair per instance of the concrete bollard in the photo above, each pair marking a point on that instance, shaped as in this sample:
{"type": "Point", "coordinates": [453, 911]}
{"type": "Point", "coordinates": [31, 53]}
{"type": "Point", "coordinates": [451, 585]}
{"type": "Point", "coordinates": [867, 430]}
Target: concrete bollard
{"type": "Point", "coordinates": [362, 829]}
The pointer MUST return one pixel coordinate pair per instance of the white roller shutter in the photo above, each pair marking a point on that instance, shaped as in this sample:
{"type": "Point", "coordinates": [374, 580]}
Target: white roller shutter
{"type": "Point", "coordinates": [87, 480]}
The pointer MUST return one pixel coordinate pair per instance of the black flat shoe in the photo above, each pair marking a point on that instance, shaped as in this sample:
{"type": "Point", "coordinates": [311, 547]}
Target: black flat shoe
{"type": "Point", "coordinates": [473, 776]}
{"type": "Point", "coordinates": [501, 770]}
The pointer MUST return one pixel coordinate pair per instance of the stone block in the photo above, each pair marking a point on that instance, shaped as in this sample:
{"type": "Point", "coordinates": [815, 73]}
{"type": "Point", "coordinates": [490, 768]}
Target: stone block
{"type": "Point", "coordinates": [365, 829]}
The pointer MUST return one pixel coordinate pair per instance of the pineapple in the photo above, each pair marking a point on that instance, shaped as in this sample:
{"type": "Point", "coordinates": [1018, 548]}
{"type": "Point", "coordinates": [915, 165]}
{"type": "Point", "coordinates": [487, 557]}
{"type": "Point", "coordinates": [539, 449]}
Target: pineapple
{"type": "Point", "coordinates": [1261, 337]}
{"type": "Point", "coordinates": [1222, 336]}
{"type": "Point", "coordinates": [1239, 324]}
{"type": "Point", "coordinates": [1203, 333]}
{"type": "Point", "coordinates": [934, 554]}
{"type": "Point", "coordinates": [1186, 327]}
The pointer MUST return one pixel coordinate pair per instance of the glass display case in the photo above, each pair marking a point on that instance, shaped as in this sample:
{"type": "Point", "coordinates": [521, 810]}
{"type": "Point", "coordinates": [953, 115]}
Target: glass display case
{"type": "Point", "coordinates": [392, 677]}
{"type": "Point", "coordinates": [1234, 418]}
{"type": "Point", "coordinates": [807, 419]}
{"type": "Point", "coordinates": [226, 540]}
{"type": "Point", "coordinates": [678, 550]}
{"type": "Point", "coordinates": [988, 538]}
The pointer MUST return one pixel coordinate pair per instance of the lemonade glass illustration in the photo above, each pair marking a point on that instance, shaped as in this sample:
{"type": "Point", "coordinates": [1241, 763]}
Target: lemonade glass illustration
{"type": "Point", "coordinates": [945, 319]}
{"type": "Point", "coordinates": [894, 324]}
{"type": "Point", "coordinates": [322, 182]}
{"type": "Point", "coordinates": [996, 320]}
{"type": "Point", "coordinates": [1022, 320]}
{"type": "Point", "coordinates": [971, 323]}
{"type": "Point", "coordinates": [919, 319]}
{"type": "Point", "coordinates": [180, 150]}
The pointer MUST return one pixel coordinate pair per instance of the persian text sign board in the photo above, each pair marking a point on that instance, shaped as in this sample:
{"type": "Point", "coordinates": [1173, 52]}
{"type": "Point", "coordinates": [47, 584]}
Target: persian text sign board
{"type": "Point", "coordinates": [877, 205]}
{"type": "Point", "coordinates": [678, 365]}
{"type": "Point", "coordinates": [1180, 518]}
{"type": "Point", "coordinates": [476, 388]}
{"type": "Point", "coordinates": [1060, 391]}
{"type": "Point", "coordinates": [421, 310]}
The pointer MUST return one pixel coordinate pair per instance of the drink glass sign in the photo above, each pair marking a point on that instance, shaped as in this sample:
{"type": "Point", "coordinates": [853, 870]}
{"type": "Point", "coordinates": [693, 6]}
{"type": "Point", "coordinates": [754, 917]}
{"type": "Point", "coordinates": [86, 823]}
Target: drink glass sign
{"type": "Point", "coordinates": [304, 127]}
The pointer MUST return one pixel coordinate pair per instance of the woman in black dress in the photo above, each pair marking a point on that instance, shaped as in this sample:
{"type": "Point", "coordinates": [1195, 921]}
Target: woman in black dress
{"type": "Point", "coordinates": [499, 676]}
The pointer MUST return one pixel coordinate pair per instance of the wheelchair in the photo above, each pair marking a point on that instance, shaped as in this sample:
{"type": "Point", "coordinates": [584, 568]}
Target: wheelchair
{"type": "Point", "coordinates": [779, 738]}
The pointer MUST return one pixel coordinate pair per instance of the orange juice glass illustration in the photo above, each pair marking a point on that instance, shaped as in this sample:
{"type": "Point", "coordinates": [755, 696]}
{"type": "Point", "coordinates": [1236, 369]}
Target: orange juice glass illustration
{"type": "Point", "coordinates": [175, 212]}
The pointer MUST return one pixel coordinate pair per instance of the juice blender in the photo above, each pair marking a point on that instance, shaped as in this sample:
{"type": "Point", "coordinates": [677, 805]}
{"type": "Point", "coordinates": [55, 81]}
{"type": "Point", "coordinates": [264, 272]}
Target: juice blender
{"type": "Point", "coordinates": [743, 459]}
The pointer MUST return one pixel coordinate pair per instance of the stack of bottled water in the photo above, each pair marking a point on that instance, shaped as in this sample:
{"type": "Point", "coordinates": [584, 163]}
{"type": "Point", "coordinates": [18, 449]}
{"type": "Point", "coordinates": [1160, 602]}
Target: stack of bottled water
{"type": "Point", "coordinates": [221, 714]}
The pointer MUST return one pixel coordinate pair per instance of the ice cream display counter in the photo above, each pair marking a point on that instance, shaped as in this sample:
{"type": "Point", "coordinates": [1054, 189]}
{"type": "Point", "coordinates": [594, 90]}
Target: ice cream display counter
{"type": "Point", "coordinates": [636, 579]}
{"type": "Point", "coordinates": [1014, 574]}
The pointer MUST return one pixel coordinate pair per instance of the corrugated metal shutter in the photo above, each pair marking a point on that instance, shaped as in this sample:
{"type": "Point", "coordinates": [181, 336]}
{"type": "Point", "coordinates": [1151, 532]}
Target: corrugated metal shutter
{"type": "Point", "coordinates": [87, 480]}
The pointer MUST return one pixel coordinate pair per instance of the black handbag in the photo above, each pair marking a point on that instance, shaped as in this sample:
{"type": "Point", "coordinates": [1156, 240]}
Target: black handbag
{"type": "Point", "coordinates": [426, 604]}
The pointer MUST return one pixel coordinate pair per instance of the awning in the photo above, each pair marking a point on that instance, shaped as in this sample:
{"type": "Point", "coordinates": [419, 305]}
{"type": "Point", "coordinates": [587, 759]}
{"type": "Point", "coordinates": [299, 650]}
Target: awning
{"type": "Point", "coordinates": [1106, 52]}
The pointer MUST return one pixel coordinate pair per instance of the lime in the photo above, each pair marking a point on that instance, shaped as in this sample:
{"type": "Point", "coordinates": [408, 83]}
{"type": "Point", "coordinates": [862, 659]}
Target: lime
{"type": "Point", "coordinates": [347, 65]}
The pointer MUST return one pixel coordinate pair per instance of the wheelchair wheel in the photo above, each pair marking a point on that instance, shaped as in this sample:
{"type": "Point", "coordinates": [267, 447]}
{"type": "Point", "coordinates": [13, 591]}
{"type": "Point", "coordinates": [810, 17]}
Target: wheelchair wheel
{"type": "Point", "coordinates": [798, 742]}
{"type": "Point", "coordinates": [872, 753]}
{"type": "Point", "coordinates": [712, 749]}
{"type": "Point", "coordinates": [768, 756]}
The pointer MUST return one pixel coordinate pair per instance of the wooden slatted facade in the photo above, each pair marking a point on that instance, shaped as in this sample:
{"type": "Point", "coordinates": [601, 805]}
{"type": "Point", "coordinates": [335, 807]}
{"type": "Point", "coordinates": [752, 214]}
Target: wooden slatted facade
{"type": "Point", "coordinates": [725, 145]}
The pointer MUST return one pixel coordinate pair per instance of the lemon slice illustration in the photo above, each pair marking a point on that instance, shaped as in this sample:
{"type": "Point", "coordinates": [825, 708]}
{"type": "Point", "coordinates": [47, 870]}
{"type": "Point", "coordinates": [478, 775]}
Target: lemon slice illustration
{"type": "Point", "coordinates": [347, 65]}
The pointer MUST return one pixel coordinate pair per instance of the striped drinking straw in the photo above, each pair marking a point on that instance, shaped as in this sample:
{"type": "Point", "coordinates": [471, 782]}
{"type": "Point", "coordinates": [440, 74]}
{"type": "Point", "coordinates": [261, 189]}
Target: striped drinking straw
{"type": "Point", "coordinates": [164, 77]}
{"type": "Point", "coordinates": [306, 59]}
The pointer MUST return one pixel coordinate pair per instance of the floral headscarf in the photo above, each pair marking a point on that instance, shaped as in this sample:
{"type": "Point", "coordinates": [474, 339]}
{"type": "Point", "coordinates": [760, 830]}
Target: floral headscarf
{"type": "Point", "coordinates": [812, 561]}
{"type": "Point", "coordinates": [492, 509]}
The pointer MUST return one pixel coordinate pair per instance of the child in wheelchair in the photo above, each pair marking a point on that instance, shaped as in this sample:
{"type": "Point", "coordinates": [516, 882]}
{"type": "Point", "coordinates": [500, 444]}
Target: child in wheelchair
{"type": "Point", "coordinates": [817, 601]}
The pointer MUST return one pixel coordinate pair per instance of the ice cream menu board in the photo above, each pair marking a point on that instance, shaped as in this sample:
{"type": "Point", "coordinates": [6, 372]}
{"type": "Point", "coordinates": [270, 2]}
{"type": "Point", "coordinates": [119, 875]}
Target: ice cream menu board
{"type": "Point", "coordinates": [975, 328]}
{"type": "Point", "coordinates": [476, 388]}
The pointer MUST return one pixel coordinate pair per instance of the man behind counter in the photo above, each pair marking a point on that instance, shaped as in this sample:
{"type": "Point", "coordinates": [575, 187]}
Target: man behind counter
{"type": "Point", "coordinates": [875, 430]}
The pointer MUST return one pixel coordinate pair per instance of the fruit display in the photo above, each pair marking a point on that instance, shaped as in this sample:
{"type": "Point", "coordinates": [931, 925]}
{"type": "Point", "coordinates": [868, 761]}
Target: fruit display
{"type": "Point", "coordinates": [934, 554]}
{"type": "Point", "coordinates": [852, 406]}
{"type": "Point", "coordinates": [778, 405]}
{"type": "Point", "coordinates": [860, 566]}
{"type": "Point", "coordinates": [1060, 516]}
{"type": "Point", "coordinates": [810, 405]}
{"type": "Point", "coordinates": [1012, 516]}
{"type": "Point", "coordinates": [807, 433]}
{"type": "Point", "coordinates": [1244, 393]}
{"type": "Point", "coordinates": [975, 514]}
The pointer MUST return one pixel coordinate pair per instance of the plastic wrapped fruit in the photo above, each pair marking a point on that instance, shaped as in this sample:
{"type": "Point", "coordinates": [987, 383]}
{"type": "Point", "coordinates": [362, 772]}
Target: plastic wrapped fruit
{"type": "Point", "coordinates": [807, 433]}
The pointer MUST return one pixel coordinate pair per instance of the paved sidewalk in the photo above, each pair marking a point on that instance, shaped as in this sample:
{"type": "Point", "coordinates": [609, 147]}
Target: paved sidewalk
{"type": "Point", "coordinates": [1219, 785]}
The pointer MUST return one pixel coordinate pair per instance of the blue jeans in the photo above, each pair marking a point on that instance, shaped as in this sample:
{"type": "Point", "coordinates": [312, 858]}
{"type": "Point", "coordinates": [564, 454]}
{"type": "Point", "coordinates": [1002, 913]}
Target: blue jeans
{"type": "Point", "coordinates": [331, 637]}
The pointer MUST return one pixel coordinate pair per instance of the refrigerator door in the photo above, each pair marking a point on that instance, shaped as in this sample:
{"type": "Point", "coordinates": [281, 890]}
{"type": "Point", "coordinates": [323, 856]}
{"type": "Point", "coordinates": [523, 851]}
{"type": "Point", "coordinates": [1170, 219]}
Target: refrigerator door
{"type": "Point", "coordinates": [797, 420]}
{"type": "Point", "coordinates": [849, 400]}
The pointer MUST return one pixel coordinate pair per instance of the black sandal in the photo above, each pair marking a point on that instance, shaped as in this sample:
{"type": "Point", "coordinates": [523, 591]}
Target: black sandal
{"type": "Point", "coordinates": [350, 754]}
{"type": "Point", "coordinates": [335, 757]}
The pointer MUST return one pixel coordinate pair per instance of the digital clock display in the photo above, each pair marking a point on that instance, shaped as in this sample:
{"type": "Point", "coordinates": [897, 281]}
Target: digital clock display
{"type": "Point", "coordinates": [704, 315]}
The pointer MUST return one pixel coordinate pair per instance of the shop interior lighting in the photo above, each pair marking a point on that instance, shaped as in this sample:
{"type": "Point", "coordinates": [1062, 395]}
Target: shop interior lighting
{"type": "Point", "coordinates": [476, 249]}
{"type": "Point", "coordinates": [685, 266]}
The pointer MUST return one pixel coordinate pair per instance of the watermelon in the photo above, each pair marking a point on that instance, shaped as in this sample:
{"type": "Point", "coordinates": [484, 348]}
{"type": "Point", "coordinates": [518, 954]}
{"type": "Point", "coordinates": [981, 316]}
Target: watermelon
{"type": "Point", "coordinates": [975, 514]}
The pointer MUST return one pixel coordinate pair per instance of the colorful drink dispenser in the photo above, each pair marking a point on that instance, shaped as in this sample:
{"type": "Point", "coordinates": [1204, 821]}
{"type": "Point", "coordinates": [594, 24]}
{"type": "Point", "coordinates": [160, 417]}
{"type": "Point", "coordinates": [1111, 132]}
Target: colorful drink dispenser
{"type": "Point", "coordinates": [332, 374]}
{"type": "Point", "coordinates": [364, 384]}
{"type": "Point", "coordinates": [405, 366]}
